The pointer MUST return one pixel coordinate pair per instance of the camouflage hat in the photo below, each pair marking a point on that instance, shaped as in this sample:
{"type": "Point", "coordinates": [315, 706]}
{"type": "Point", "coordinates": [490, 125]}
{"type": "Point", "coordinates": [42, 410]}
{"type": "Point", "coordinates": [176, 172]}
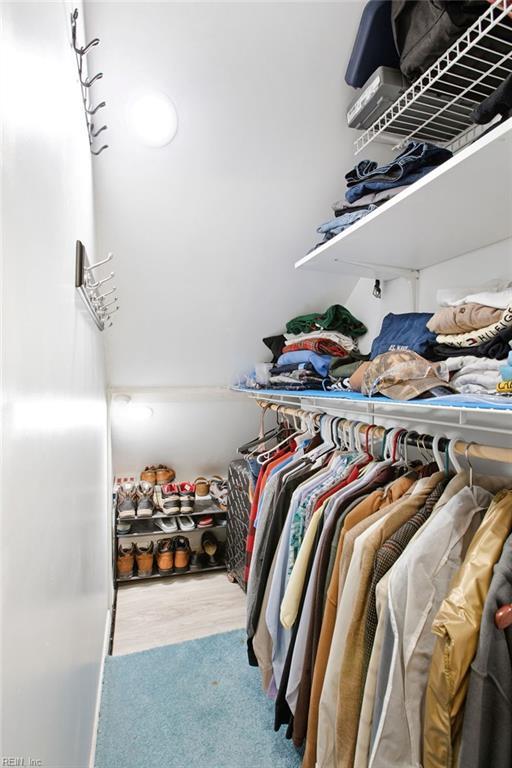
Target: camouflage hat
{"type": "Point", "coordinates": [402, 375]}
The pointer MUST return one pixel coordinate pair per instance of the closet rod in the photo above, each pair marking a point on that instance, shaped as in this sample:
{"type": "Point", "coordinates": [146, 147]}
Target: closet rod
{"type": "Point", "coordinates": [475, 450]}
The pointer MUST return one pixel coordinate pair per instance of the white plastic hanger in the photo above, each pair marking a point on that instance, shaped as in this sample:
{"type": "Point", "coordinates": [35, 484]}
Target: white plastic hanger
{"type": "Point", "coordinates": [438, 456]}
{"type": "Point", "coordinates": [453, 458]}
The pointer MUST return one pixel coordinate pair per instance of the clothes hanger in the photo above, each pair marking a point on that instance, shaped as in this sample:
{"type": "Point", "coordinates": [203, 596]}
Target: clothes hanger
{"type": "Point", "coordinates": [466, 456]}
{"type": "Point", "coordinates": [265, 455]}
{"type": "Point", "coordinates": [453, 458]}
{"type": "Point", "coordinates": [263, 436]}
{"type": "Point", "coordinates": [437, 453]}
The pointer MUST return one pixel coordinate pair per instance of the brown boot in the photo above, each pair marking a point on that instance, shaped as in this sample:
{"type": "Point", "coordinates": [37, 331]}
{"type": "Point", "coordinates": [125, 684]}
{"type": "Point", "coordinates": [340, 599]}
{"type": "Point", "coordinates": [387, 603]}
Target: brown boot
{"type": "Point", "coordinates": [164, 556]}
{"type": "Point", "coordinates": [148, 475]}
{"type": "Point", "coordinates": [144, 557]}
{"type": "Point", "coordinates": [125, 561]}
{"type": "Point", "coordinates": [164, 475]}
{"type": "Point", "coordinates": [181, 553]}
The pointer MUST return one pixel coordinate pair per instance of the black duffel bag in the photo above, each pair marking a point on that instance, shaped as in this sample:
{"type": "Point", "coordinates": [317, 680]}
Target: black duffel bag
{"type": "Point", "coordinates": [424, 29]}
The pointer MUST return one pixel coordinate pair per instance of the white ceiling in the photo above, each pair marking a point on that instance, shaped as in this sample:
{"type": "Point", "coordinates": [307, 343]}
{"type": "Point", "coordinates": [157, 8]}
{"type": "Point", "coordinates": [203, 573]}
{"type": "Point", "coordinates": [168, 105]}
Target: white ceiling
{"type": "Point", "coordinates": [206, 229]}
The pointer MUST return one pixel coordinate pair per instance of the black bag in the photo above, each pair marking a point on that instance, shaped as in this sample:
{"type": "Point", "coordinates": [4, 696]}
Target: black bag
{"type": "Point", "coordinates": [240, 492]}
{"type": "Point", "coordinates": [424, 29]}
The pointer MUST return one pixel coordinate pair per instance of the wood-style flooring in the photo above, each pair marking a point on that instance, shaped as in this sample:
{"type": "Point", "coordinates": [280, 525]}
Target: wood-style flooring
{"type": "Point", "coordinates": [161, 612]}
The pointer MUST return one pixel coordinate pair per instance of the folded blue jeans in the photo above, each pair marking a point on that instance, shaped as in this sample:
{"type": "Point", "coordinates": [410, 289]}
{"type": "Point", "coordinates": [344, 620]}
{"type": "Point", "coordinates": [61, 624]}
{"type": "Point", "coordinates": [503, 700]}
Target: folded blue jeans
{"type": "Point", "coordinates": [416, 155]}
{"type": "Point", "coordinates": [354, 193]}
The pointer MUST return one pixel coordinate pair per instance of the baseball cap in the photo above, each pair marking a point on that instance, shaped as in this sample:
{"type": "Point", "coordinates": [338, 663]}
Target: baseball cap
{"type": "Point", "coordinates": [404, 375]}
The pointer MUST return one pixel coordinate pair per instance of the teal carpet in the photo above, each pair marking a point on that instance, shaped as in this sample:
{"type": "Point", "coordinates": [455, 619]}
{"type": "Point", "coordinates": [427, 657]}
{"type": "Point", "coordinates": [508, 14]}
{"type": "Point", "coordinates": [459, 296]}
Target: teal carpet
{"type": "Point", "coordinates": [193, 705]}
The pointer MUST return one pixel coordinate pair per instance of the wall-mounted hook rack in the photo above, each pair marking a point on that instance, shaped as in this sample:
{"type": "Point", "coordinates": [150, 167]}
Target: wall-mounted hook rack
{"type": "Point", "coordinates": [81, 52]}
{"type": "Point", "coordinates": [88, 289]}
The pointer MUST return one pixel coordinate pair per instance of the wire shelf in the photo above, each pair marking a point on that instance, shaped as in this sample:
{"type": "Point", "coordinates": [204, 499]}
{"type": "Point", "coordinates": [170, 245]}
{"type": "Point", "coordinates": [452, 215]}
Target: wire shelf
{"type": "Point", "coordinates": [438, 105]}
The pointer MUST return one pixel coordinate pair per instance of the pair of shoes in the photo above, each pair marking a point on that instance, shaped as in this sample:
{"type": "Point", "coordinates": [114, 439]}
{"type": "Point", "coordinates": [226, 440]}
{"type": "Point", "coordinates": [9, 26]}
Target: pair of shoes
{"type": "Point", "coordinates": [210, 546]}
{"type": "Point", "coordinates": [171, 555]}
{"type": "Point", "coordinates": [202, 487]}
{"type": "Point", "coordinates": [219, 492]}
{"type": "Point", "coordinates": [126, 557]}
{"type": "Point", "coordinates": [208, 555]}
{"type": "Point", "coordinates": [135, 500]}
{"type": "Point", "coordinates": [158, 475]}
{"type": "Point", "coordinates": [177, 498]}
{"type": "Point", "coordinates": [205, 521]}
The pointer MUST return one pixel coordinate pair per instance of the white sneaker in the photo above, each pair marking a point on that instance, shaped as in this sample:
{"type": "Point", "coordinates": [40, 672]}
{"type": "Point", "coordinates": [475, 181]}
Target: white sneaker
{"type": "Point", "coordinates": [186, 523]}
{"type": "Point", "coordinates": [167, 525]}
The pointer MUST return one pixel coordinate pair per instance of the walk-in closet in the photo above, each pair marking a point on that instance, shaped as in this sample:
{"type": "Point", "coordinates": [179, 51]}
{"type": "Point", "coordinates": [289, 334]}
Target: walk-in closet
{"type": "Point", "coordinates": [256, 339]}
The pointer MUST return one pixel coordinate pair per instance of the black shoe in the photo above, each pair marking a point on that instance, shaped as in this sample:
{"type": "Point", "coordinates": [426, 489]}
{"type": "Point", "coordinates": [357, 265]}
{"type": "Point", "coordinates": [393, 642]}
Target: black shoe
{"type": "Point", "coordinates": [210, 545]}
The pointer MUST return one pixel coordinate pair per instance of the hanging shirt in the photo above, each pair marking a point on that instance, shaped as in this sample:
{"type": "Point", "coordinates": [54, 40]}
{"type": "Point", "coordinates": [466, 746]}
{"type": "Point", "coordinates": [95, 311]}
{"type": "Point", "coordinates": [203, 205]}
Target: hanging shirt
{"type": "Point", "coordinates": [356, 517]}
{"type": "Point", "coordinates": [486, 733]}
{"type": "Point", "coordinates": [418, 584]}
{"type": "Point", "coordinates": [457, 625]}
{"type": "Point", "coordinates": [364, 733]}
{"type": "Point", "coordinates": [350, 683]}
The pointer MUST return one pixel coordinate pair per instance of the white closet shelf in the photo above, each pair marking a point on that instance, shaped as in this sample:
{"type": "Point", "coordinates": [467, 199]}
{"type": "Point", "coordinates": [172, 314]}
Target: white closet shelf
{"type": "Point", "coordinates": [461, 206]}
{"type": "Point", "coordinates": [438, 105]}
{"type": "Point", "coordinates": [454, 411]}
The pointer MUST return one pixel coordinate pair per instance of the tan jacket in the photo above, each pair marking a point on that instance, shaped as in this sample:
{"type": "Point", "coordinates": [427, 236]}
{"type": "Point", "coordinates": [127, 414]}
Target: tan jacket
{"type": "Point", "coordinates": [367, 507]}
{"type": "Point", "coordinates": [457, 625]}
{"type": "Point", "coordinates": [350, 684]}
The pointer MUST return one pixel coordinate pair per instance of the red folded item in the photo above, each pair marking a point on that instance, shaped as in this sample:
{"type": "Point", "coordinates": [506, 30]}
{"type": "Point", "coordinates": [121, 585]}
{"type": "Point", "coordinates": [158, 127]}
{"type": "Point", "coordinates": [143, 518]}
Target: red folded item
{"type": "Point", "coordinates": [321, 346]}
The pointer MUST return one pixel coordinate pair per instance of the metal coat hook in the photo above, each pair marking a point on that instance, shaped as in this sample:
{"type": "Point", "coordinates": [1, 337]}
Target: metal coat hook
{"type": "Point", "coordinates": [86, 48]}
{"type": "Point", "coordinates": [99, 263]}
{"type": "Point", "coordinates": [91, 80]}
{"type": "Point", "coordinates": [99, 310]}
{"type": "Point", "coordinates": [99, 282]}
{"type": "Point", "coordinates": [99, 106]}
{"type": "Point", "coordinates": [102, 296]}
{"type": "Point", "coordinates": [94, 133]}
{"type": "Point", "coordinates": [100, 150]}
{"type": "Point", "coordinates": [87, 83]}
{"type": "Point", "coordinates": [105, 308]}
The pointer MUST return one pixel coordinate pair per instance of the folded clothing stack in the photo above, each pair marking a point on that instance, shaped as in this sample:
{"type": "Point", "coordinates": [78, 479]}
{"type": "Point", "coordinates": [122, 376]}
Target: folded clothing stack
{"type": "Point", "coordinates": [478, 324]}
{"type": "Point", "coordinates": [504, 384]}
{"type": "Point", "coordinates": [370, 185]}
{"type": "Point", "coordinates": [311, 346]}
{"type": "Point", "coordinates": [473, 375]}
{"type": "Point", "coordinates": [415, 161]}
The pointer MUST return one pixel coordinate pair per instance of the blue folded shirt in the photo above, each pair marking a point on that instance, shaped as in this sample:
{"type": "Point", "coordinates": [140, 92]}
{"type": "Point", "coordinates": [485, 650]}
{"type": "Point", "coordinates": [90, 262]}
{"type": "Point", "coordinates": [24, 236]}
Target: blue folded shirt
{"type": "Point", "coordinates": [407, 331]}
{"type": "Point", "coordinates": [506, 372]}
{"type": "Point", "coordinates": [320, 363]}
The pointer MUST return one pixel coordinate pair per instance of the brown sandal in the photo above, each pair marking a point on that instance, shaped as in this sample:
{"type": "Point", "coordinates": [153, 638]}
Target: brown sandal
{"type": "Point", "coordinates": [202, 486]}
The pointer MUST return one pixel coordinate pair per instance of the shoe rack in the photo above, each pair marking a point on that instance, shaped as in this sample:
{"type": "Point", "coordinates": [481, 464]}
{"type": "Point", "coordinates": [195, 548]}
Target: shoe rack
{"type": "Point", "coordinates": [144, 530]}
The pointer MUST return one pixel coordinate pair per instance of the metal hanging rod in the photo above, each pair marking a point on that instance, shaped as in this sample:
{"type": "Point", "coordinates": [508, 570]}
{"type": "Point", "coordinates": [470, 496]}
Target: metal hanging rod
{"type": "Point", "coordinates": [85, 85]}
{"type": "Point", "coordinates": [89, 288]}
{"type": "Point", "coordinates": [414, 439]}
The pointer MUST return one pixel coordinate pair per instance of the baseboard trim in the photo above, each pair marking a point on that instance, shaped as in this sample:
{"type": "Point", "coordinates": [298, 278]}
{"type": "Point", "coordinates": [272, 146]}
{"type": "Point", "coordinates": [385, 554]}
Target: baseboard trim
{"type": "Point", "coordinates": [104, 653]}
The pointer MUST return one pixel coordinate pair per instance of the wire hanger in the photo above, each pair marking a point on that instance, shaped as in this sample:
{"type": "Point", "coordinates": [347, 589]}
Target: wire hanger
{"type": "Point", "coordinates": [466, 456]}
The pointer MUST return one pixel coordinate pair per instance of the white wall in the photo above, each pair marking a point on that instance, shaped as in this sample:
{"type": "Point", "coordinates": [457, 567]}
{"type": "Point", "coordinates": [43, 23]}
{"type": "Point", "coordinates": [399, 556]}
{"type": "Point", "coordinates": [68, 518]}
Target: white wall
{"type": "Point", "coordinates": [206, 229]}
{"type": "Point", "coordinates": [470, 270]}
{"type": "Point", "coordinates": [193, 432]}
{"type": "Point", "coordinates": [54, 441]}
